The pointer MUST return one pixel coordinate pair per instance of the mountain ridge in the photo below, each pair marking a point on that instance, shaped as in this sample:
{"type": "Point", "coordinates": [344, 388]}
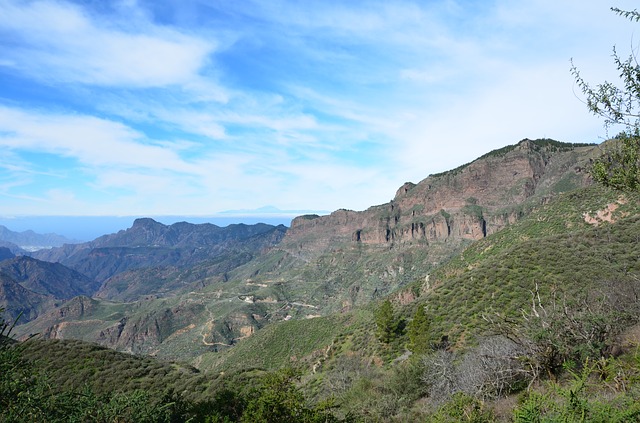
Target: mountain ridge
{"type": "Point", "coordinates": [31, 287]}
{"type": "Point", "coordinates": [468, 202]}
{"type": "Point", "coordinates": [31, 241]}
{"type": "Point", "coordinates": [148, 243]}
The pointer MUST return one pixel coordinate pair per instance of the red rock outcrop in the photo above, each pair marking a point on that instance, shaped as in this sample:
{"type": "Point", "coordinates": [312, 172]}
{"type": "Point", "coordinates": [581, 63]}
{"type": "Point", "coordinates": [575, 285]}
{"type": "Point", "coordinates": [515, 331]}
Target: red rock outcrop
{"type": "Point", "coordinates": [469, 202]}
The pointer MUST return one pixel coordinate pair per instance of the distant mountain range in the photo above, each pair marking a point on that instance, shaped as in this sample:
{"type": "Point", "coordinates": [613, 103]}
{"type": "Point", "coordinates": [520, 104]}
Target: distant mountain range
{"type": "Point", "coordinates": [147, 259]}
{"type": "Point", "coordinates": [150, 244]}
{"type": "Point", "coordinates": [31, 241]}
{"type": "Point", "coordinates": [88, 228]}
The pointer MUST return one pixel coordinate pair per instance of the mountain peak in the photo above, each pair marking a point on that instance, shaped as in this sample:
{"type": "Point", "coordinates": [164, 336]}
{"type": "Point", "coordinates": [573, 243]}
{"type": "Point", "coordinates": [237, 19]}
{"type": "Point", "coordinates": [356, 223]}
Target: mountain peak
{"type": "Point", "coordinates": [145, 222]}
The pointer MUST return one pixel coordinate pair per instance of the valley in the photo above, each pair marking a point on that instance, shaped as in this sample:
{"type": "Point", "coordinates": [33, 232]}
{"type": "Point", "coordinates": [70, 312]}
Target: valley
{"type": "Point", "coordinates": [519, 230]}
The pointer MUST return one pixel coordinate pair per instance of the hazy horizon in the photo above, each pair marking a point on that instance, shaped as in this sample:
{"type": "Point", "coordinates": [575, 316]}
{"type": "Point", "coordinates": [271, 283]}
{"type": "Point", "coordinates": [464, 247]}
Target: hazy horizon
{"type": "Point", "coordinates": [88, 228]}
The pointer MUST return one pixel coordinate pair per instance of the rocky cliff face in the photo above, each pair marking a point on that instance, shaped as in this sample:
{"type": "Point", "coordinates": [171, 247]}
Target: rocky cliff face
{"type": "Point", "coordinates": [469, 202]}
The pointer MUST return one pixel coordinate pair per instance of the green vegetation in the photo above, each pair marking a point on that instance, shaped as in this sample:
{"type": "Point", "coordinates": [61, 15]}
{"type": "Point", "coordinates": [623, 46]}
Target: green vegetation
{"type": "Point", "coordinates": [554, 249]}
{"type": "Point", "coordinates": [69, 381]}
{"type": "Point", "coordinates": [538, 322]}
{"type": "Point", "coordinates": [602, 391]}
{"type": "Point", "coordinates": [545, 144]}
{"type": "Point", "coordinates": [77, 365]}
{"type": "Point", "coordinates": [473, 320]}
{"type": "Point", "coordinates": [419, 333]}
{"type": "Point", "coordinates": [619, 167]}
{"type": "Point", "coordinates": [289, 343]}
{"type": "Point", "coordinates": [386, 323]}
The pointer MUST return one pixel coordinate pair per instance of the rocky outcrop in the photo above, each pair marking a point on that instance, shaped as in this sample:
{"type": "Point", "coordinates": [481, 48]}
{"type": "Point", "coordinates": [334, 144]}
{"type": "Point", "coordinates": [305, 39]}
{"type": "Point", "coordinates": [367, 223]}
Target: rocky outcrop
{"type": "Point", "coordinates": [467, 203]}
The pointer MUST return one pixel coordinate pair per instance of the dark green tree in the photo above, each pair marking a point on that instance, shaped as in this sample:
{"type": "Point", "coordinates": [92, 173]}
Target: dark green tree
{"type": "Point", "coordinates": [619, 166]}
{"type": "Point", "coordinates": [418, 331]}
{"type": "Point", "coordinates": [278, 399]}
{"type": "Point", "coordinates": [385, 322]}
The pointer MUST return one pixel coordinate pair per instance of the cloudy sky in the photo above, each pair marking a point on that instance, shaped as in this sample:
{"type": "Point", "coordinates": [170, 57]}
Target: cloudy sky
{"type": "Point", "coordinates": [192, 107]}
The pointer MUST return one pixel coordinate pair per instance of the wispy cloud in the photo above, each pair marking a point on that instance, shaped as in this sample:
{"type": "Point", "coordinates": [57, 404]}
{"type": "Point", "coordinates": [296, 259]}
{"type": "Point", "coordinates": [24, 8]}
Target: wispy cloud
{"type": "Point", "coordinates": [90, 140]}
{"type": "Point", "coordinates": [61, 42]}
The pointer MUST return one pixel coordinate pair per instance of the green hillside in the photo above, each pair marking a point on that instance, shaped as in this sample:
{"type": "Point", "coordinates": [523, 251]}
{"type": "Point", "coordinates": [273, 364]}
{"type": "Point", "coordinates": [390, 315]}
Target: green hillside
{"type": "Point", "coordinates": [549, 302]}
{"type": "Point", "coordinates": [554, 249]}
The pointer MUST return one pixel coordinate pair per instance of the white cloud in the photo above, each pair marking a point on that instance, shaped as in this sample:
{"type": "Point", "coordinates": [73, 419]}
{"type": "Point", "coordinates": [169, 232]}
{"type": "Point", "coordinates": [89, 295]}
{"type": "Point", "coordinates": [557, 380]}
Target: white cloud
{"type": "Point", "coordinates": [61, 196]}
{"type": "Point", "coordinates": [90, 140]}
{"type": "Point", "coordinates": [531, 102]}
{"type": "Point", "coordinates": [61, 42]}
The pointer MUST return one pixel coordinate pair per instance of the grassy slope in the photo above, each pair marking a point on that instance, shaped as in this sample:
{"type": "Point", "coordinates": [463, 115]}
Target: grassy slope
{"type": "Point", "coordinates": [554, 248]}
{"type": "Point", "coordinates": [295, 343]}
{"type": "Point", "coordinates": [74, 365]}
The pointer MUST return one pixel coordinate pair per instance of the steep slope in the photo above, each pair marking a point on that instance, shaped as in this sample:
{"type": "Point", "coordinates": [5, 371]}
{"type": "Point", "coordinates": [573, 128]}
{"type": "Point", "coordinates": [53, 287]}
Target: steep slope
{"type": "Point", "coordinates": [352, 257]}
{"type": "Point", "coordinates": [17, 300]}
{"type": "Point", "coordinates": [30, 286]}
{"type": "Point", "coordinates": [469, 202]}
{"type": "Point", "coordinates": [46, 278]}
{"type": "Point", "coordinates": [5, 253]}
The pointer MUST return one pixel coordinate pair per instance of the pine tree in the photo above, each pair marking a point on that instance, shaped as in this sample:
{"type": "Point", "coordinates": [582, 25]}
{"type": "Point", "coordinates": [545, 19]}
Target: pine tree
{"type": "Point", "coordinates": [386, 323]}
{"type": "Point", "coordinates": [418, 331]}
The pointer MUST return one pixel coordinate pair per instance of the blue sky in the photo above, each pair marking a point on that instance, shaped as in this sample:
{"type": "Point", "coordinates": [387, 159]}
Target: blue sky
{"type": "Point", "coordinates": [189, 107]}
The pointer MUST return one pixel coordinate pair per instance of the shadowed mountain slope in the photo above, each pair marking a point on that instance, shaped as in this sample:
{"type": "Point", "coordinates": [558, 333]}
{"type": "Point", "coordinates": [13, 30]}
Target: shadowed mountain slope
{"type": "Point", "coordinates": [30, 286]}
{"type": "Point", "coordinates": [46, 278]}
{"type": "Point", "coordinates": [150, 258]}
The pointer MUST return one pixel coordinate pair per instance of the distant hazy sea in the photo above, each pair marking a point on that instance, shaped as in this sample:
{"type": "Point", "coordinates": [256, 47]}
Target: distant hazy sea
{"type": "Point", "coordinates": [88, 228]}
